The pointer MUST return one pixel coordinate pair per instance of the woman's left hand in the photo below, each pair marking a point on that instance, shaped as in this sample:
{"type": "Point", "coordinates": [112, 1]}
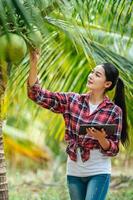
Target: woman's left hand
{"type": "Point", "coordinates": [96, 134]}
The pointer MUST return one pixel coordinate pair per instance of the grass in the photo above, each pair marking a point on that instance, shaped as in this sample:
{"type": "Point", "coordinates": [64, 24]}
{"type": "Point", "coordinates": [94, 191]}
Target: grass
{"type": "Point", "coordinates": [40, 185]}
{"type": "Point", "coordinates": [36, 186]}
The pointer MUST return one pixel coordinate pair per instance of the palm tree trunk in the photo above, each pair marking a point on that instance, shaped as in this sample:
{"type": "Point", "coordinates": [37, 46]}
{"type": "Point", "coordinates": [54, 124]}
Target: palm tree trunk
{"type": "Point", "coordinates": [3, 179]}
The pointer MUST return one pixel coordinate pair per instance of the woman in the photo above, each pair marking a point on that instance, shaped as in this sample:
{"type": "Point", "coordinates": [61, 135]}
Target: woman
{"type": "Point", "coordinates": [88, 163]}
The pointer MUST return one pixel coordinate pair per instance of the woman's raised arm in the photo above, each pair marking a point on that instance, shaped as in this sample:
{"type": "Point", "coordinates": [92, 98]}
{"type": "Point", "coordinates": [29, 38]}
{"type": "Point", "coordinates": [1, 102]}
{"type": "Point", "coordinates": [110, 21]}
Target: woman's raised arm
{"type": "Point", "coordinates": [34, 58]}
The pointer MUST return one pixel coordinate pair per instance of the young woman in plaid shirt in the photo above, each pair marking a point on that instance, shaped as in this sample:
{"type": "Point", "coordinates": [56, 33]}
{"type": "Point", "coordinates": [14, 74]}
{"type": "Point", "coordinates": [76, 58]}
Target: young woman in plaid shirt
{"type": "Point", "coordinates": [89, 156]}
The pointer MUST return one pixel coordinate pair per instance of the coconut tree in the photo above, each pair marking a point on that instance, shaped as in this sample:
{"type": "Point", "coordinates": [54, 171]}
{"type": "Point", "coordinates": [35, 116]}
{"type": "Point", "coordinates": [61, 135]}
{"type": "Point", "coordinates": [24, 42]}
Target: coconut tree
{"type": "Point", "coordinates": [75, 35]}
{"type": "Point", "coordinates": [17, 27]}
{"type": "Point", "coordinates": [3, 181]}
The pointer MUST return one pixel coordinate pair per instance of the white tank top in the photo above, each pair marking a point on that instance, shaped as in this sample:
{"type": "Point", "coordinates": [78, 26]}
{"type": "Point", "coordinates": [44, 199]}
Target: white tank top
{"type": "Point", "coordinates": [97, 163]}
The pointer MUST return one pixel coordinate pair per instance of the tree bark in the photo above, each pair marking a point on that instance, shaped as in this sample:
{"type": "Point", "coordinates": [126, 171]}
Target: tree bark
{"type": "Point", "coordinates": [3, 178]}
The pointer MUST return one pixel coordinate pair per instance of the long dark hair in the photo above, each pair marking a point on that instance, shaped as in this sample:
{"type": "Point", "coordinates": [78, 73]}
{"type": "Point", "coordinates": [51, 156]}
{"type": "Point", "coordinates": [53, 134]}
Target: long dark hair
{"type": "Point", "coordinates": [112, 74]}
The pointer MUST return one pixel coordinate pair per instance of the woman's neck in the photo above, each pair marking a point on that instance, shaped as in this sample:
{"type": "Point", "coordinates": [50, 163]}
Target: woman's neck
{"type": "Point", "coordinates": [96, 98]}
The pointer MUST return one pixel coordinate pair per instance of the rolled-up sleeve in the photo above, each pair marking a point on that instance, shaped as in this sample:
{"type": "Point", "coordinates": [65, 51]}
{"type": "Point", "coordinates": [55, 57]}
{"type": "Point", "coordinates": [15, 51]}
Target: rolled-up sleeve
{"type": "Point", "coordinates": [115, 138]}
{"type": "Point", "coordinates": [54, 101]}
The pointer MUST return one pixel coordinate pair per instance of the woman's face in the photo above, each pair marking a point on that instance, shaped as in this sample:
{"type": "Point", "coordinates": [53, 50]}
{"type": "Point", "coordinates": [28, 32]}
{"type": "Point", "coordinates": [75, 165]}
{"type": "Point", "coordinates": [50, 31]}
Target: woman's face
{"type": "Point", "coordinates": [97, 79]}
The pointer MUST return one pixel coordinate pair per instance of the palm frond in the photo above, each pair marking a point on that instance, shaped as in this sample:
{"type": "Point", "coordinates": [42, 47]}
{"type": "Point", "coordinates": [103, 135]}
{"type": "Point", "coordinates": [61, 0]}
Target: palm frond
{"type": "Point", "coordinates": [20, 143]}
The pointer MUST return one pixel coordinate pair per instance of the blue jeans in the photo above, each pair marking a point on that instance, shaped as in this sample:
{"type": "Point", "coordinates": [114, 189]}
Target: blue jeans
{"type": "Point", "coordinates": [88, 188]}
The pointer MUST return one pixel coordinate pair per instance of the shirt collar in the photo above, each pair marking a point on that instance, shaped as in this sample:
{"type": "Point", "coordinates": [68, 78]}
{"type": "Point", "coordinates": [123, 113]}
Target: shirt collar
{"type": "Point", "coordinates": [105, 101]}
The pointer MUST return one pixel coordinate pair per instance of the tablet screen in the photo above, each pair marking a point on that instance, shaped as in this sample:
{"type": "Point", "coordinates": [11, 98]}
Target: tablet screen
{"type": "Point", "coordinates": [109, 128]}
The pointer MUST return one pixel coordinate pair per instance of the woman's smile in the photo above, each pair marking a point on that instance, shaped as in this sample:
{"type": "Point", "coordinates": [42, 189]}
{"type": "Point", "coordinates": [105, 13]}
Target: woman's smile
{"type": "Point", "coordinates": [90, 82]}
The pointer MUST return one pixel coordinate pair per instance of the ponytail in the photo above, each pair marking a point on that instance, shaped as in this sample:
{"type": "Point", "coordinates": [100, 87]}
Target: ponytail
{"type": "Point", "coordinates": [112, 74]}
{"type": "Point", "coordinates": [119, 99]}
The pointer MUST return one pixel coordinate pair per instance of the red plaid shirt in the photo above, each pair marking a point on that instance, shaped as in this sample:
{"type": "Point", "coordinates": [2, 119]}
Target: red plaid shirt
{"type": "Point", "coordinates": [75, 109]}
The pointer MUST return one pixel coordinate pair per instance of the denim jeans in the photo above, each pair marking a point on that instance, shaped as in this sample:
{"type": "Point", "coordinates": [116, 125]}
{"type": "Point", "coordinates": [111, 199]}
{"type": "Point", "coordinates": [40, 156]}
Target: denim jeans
{"type": "Point", "coordinates": [88, 188]}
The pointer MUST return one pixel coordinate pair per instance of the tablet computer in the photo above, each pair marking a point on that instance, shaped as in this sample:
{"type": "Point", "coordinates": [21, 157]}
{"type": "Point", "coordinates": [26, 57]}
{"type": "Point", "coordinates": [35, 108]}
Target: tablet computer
{"type": "Point", "coordinates": [109, 128]}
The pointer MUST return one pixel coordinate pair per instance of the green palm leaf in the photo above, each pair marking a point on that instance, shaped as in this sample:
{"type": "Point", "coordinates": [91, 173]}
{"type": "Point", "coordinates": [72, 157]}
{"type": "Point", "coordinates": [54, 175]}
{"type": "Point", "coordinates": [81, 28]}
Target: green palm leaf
{"type": "Point", "coordinates": [17, 141]}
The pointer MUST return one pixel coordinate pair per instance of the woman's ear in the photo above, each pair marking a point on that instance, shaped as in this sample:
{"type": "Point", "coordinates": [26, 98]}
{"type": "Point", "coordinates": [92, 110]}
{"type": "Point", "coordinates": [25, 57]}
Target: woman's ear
{"type": "Point", "coordinates": [108, 84]}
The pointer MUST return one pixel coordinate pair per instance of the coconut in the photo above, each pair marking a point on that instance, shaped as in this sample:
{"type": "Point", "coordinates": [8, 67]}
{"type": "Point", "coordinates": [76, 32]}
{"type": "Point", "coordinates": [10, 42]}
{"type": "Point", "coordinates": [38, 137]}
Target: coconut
{"type": "Point", "coordinates": [12, 48]}
{"type": "Point", "coordinates": [3, 47]}
{"type": "Point", "coordinates": [35, 38]}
